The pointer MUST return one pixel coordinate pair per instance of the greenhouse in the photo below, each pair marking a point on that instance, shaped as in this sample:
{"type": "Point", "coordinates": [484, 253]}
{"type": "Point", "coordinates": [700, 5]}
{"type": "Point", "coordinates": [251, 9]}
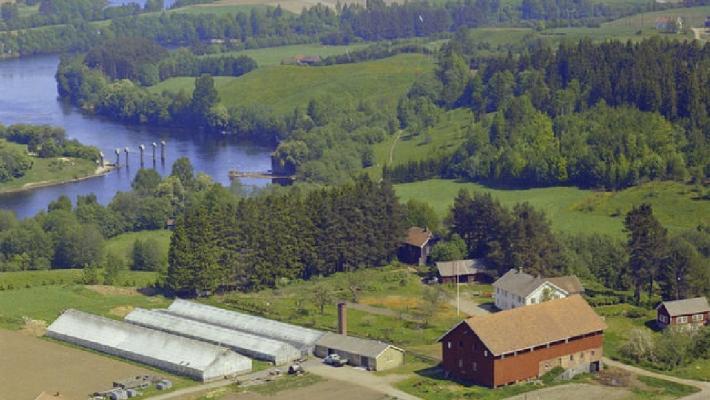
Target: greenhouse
{"type": "Point", "coordinates": [303, 338]}
{"type": "Point", "coordinates": [244, 343]}
{"type": "Point", "coordinates": [172, 353]}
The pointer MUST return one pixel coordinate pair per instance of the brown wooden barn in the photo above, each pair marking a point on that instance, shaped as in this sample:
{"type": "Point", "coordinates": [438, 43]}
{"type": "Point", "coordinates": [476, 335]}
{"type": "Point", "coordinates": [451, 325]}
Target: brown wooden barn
{"type": "Point", "coordinates": [466, 271]}
{"type": "Point", "coordinates": [417, 246]}
{"type": "Point", "coordinates": [524, 343]}
{"type": "Point", "coordinates": [686, 312]}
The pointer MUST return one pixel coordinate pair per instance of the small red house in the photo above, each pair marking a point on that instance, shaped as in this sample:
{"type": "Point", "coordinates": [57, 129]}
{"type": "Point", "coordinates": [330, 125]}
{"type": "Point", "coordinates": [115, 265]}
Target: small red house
{"type": "Point", "coordinates": [688, 312]}
{"type": "Point", "coordinates": [417, 246]}
{"type": "Point", "coordinates": [525, 343]}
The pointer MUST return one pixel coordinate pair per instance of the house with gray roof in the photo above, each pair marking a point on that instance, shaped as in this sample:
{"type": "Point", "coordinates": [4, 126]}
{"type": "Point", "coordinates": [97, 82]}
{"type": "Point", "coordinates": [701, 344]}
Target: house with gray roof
{"type": "Point", "coordinates": [373, 355]}
{"type": "Point", "coordinates": [516, 289]}
{"type": "Point", "coordinates": [687, 312]}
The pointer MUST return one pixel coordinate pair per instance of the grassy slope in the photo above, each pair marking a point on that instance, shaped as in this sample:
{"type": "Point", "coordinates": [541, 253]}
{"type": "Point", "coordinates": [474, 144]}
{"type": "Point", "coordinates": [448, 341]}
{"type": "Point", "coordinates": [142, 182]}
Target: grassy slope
{"type": "Point", "coordinates": [123, 244]}
{"type": "Point", "coordinates": [284, 87]}
{"type": "Point", "coordinates": [579, 211]}
{"type": "Point", "coordinates": [273, 55]}
{"type": "Point", "coordinates": [48, 169]}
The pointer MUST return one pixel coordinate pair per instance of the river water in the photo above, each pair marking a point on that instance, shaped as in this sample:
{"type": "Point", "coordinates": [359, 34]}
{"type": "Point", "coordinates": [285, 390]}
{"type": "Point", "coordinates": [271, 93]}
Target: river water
{"type": "Point", "coordinates": [28, 94]}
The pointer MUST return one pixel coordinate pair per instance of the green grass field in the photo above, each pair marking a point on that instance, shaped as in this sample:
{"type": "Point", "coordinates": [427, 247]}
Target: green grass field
{"type": "Point", "coordinates": [442, 139]}
{"type": "Point", "coordinates": [47, 170]}
{"type": "Point", "coordinates": [122, 245]}
{"type": "Point", "coordinates": [270, 56]}
{"type": "Point", "coordinates": [575, 210]}
{"type": "Point", "coordinates": [59, 277]}
{"type": "Point", "coordinates": [284, 87]}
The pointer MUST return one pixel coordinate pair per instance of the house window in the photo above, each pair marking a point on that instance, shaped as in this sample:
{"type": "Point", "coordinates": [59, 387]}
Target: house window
{"type": "Point", "coordinates": [682, 320]}
{"type": "Point", "coordinates": [533, 300]}
{"type": "Point", "coordinates": [663, 319]}
{"type": "Point", "coordinates": [485, 353]}
{"type": "Point", "coordinates": [592, 353]}
{"type": "Point", "coordinates": [697, 317]}
{"type": "Point", "coordinates": [460, 343]}
{"type": "Point", "coordinates": [475, 367]}
{"type": "Point", "coordinates": [571, 357]}
{"type": "Point", "coordinates": [581, 356]}
{"type": "Point", "coordinates": [448, 345]}
{"type": "Point", "coordinates": [460, 363]}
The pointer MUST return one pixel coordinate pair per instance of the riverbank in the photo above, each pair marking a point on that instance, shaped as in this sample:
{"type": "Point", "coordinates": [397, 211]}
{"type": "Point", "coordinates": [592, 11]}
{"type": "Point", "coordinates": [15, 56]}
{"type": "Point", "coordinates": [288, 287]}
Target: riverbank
{"type": "Point", "coordinates": [60, 179]}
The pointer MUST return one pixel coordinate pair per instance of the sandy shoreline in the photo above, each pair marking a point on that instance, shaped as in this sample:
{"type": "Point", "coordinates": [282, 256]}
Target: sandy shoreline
{"type": "Point", "coordinates": [100, 171]}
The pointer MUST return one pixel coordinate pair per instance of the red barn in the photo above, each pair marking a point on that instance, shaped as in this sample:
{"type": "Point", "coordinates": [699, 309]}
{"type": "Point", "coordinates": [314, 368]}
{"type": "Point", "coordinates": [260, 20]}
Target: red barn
{"type": "Point", "coordinates": [524, 343]}
{"type": "Point", "coordinates": [689, 312]}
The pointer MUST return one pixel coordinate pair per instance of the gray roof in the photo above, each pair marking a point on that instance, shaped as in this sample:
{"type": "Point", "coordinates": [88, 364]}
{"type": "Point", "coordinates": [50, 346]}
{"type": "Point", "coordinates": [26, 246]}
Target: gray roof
{"type": "Point", "coordinates": [687, 306]}
{"type": "Point", "coordinates": [354, 345]}
{"type": "Point", "coordinates": [244, 343]}
{"type": "Point", "coordinates": [465, 267]}
{"type": "Point", "coordinates": [302, 338]}
{"type": "Point", "coordinates": [162, 350]}
{"type": "Point", "coordinates": [522, 284]}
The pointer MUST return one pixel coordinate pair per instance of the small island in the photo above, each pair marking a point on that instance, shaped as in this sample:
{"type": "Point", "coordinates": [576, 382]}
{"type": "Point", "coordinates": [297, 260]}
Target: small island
{"type": "Point", "coordinates": [34, 156]}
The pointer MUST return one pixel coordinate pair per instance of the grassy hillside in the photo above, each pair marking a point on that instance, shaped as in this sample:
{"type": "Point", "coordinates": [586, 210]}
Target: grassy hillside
{"type": "Point", "coordinates": [284, 87]}
{"type": "Point", "coordinates": [575, 210]}
{"type": "Point", "coordinates": [274, 55]}
{"type": "Point", "coordinates": [441, 139]}
{"type": "Point", "coordinates": [123, 244]}
{"type": "Point", "coordinates": [47, 170]}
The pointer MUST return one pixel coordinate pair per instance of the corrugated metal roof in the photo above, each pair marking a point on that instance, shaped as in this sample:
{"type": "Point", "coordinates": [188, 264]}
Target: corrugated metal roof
{"type": "Point", "coordinates": [535, 325]}
{"type": "Point", "coordinates": [170, 352]}
{"type": "Point", "coordinates": [687, 306]}
{"type": "Point", "coordinates": [354, 345]}
{"type": "Point", "coordinates": [244, 343]}
{"type": "Point", "coordinates": [303, 338]}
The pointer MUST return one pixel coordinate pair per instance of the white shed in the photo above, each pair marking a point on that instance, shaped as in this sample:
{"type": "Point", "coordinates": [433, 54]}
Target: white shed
{"type": "Point", "coordinates": [302, 338]}
{"type": "Point", "coordinates": [243, 343]}
{"type": "Point", "coordinates": [172, 353]}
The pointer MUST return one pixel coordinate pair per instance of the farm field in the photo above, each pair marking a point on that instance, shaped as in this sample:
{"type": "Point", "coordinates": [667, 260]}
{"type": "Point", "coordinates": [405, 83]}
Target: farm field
{"type": "Point", "coordinates": [58, 277]}
{"type": "Point", "coordinates": [37, 306]}
{"type": "Point", "coordinates": [575, 210]}
{"type": "Point", "coordinates": [274, 55]}
{"type": "Point", "coordinates": [47, 170]}
{"type": "Point", "coordinates": [285, 87]}
{"type": "Point", "coordinates": [30, 365]}
{"type": "Point", "coordinates": [295, 6]}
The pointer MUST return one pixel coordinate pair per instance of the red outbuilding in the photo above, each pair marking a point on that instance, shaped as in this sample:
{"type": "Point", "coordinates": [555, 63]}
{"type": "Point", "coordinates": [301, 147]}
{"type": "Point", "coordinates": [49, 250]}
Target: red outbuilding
{"type": "Point", "coordinates": [524, 343]}
{"type": "Point", "coordinates": [687, 312]}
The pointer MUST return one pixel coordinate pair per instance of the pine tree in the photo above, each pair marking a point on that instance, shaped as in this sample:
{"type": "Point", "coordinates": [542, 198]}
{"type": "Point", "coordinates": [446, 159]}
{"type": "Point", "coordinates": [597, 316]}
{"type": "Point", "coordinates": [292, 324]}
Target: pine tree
{"type": "Point", "coordinates": [647, 245]}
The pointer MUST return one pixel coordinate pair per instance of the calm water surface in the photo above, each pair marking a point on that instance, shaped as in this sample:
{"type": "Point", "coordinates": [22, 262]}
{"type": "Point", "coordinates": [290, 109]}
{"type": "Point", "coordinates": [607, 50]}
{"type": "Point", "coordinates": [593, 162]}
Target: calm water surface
{"type": "Point", "coordinates": [28, 94]}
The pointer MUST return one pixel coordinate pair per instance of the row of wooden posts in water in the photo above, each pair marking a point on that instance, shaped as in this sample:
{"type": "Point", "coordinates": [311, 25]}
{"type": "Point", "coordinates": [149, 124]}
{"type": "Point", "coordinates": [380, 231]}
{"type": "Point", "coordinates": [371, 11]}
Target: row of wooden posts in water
{"type": "Point", "coordinates": [141, 148]}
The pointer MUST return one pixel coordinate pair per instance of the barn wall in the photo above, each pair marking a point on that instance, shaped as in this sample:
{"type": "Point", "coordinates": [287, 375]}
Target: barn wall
{"type": "Point", "coordinates": [390, 358]}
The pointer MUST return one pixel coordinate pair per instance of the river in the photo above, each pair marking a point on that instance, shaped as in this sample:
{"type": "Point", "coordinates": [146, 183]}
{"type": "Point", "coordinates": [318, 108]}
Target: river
{"type": "Point", "coordinates": [28, 94]}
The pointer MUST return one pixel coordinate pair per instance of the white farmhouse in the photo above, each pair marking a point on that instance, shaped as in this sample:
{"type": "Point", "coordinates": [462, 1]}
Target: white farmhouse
{"type": "Point", "coordinates": [517, 289]}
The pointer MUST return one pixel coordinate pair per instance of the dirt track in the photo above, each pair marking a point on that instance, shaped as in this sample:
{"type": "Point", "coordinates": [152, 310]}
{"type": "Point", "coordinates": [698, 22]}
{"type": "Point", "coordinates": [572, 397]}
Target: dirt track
{"type": "Point", "coordinates": [30, 365]}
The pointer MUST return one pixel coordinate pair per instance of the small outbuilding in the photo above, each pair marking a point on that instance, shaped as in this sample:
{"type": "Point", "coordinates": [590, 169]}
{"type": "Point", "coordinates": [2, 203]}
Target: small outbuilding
{"type": "Point", "coordinates": [687, 312]}
{"type": "Point", "coordinates": [417, 246]}
{"type": "Point", "coordinates": [371, 354]}
{"type": "Point", "coordinates": [465, 271]}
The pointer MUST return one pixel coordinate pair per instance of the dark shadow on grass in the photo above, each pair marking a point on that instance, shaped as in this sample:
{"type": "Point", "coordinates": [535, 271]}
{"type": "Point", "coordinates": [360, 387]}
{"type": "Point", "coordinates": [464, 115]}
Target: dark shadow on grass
{"type": "Point", "coordinates": [652, 324]}
{"type": "Point", "coordinates": [437, 373]}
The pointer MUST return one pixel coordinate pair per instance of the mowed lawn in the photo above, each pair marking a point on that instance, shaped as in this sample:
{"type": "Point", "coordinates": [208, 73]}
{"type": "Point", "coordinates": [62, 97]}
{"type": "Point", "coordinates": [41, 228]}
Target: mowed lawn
{"type": "Point", "coordinates": [574, 210]}
{"type": "Point", "coordinates": [274, 55]}
{"type": "Point", "coordinates": [284, 87]}
{"type": "Point", "coordinates": [47, 170]}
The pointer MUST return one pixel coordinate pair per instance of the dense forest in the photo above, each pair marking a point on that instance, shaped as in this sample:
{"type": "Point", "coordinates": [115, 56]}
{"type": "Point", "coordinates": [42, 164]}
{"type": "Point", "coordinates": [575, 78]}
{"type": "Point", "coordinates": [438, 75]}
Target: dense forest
{"type": "Point", "coordinates": [319, 23]}
{"type": "Point", "coordinates": [53, 12]}
{"type": "Point", "coordinates": [609, 114]}
{"type": "Point", "coordinates": [42, 140]}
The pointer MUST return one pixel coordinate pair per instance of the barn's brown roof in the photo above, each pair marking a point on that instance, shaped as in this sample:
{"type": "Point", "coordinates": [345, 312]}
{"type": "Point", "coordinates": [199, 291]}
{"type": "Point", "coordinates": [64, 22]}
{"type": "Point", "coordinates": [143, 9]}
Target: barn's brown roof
{"type": "Point", "coordinates": [535, 325]}
{"type": "Point", "coordinates": [687, 306]}
{"type": "Point", "coordinates": [418, 237]}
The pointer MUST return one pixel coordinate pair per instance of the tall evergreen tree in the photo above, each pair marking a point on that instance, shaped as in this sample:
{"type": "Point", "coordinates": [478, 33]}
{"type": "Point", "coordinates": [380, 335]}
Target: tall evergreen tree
{"type": "Point", "coordinates": [647, 244]}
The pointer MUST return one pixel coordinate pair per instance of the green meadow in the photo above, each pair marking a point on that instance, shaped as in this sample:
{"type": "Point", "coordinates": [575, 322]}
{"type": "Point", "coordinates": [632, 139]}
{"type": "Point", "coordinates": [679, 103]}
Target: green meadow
{"type": "Point", "coordinates": [46, 171]}
{"type": "Point", "coordinates": [574, 210]}
{"type": "Point", "coordinates": [122, 245]}
{"type": "Point", "coordinates": [285, 87]}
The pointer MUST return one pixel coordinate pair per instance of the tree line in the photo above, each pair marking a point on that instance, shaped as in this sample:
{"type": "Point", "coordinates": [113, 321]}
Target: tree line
{"type": "Point", "coordinates": [54, 12]}
{"type": "Point", "coordinates": [599, 115]}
